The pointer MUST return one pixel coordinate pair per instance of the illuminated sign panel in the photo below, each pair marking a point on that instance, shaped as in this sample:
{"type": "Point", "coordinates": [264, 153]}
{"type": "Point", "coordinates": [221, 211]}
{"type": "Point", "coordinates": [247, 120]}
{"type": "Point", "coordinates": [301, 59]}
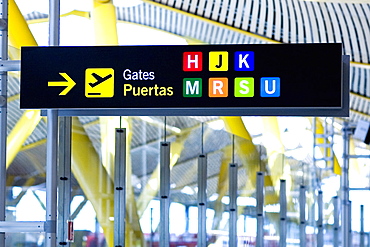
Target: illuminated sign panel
{"type": "Point", "coordinates": [199, 79]}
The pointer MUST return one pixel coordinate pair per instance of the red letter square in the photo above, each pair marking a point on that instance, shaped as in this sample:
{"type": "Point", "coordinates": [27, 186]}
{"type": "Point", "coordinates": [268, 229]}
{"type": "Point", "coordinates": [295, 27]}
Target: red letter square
{"type": "Point", "coordinates": [192, 61]}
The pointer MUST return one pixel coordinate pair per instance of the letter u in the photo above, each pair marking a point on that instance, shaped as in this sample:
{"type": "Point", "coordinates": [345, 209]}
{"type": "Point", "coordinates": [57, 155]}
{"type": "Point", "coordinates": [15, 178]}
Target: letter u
{"type": "Point", "coordinates": [273, 90]}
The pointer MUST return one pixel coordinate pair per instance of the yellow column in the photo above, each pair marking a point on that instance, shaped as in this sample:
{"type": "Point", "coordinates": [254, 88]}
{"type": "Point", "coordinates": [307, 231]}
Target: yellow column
{"type": "Point", "coordinates": [275, 152]}
{"type": "Point", "coordinates": [20, 35]}
{"type": "Point", "coordinates": [93, 178]}
{"type": "Point", "coordinates": [105, 22]}
{"type": "Point", "coordinates": [249, 156]}
{"type": "Point", "coordinates": [19, 32]}
{"type": "Point", "coordinates": [19, 134]}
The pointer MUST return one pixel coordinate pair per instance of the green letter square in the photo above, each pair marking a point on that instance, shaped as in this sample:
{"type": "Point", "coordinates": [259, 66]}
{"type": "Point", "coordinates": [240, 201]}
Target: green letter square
{"type": "Point", "coordinates": [244, 87]}
{"type": "Point", "coordinates": [192, 87]}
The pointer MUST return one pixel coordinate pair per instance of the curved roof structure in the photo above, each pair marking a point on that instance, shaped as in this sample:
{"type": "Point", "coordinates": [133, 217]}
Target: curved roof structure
{"type": "Point", "coordinates": [234, 22]}
{"type": "Point", "coordinates": [212, 22]}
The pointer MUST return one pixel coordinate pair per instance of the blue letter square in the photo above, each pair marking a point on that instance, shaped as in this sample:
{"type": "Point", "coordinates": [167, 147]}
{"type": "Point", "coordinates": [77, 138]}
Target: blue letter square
{"type": "Point", "coordinates": [244, 61]}
{"type": "Point", "coordinates": [270, 87]}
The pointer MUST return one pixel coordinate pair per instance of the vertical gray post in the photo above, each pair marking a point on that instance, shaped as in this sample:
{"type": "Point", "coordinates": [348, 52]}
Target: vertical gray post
{"type": "Point", "coordinates": [345, 187]}
{"type": "Point", "coordinates": [120, 188]}
{"type": "Point", "coordinates": [187, 219]}
{"type": "Point", "coordinates": [350, 225]}
{"type": "Point", "coordinates": [302, 216]}
{"type": "Point", "coordinates": [54, 25]}
{"type": "Point", "coordinates": [260, 202]}
{"type": "Point", "coordinates": [233, 193]}
{"type": "Point", "coordinates": [3, 111]}
{"type": "Point", "coordinates": [336, 222]}
{"type": "Point", "coordinates": [151, 228]}
{"type": "Point", "coordinates": [202, 200]}
{"type": "Point", "coordinates": [320, 222]}
{"type": "Point", "coordinates": [362, 229]}
{"type": "Point", "coordinates": [52, 140]}
{"type": "Point", "coordinates": [51, 175]}
{"type": "Point", "coordinates": [164, 230]}
{"type": "Point", "coordinates": [283, 214]}
{"type": "Point", "coordinates": [344, 178]}
{"type": "Point", "coordinates": [64, 174]}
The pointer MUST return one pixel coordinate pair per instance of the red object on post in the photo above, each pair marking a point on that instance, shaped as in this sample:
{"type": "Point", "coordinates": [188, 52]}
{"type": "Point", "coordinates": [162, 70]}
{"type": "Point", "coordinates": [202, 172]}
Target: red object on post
{"type": "Point", "coordinates": [71, 235]}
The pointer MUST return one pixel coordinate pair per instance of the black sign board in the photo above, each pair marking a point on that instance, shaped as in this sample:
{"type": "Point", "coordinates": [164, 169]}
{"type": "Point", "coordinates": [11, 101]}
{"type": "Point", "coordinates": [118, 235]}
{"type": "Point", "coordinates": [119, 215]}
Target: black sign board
{"type": "Point", "coordinates": [279, 79]}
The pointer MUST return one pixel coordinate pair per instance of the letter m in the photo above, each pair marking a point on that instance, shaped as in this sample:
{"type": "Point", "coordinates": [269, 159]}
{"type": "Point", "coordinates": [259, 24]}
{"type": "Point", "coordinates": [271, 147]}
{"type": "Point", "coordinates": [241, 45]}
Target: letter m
{"type": "Point", "coordinates": [192, 87]}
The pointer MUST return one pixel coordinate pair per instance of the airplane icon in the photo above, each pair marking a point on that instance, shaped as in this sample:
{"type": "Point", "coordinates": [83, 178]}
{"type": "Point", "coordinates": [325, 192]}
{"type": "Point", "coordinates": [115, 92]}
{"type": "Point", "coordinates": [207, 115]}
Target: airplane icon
{"type": "Point", "coordinates": [99, 79]}
{"type": "Point", "coordinates": [99, 76]}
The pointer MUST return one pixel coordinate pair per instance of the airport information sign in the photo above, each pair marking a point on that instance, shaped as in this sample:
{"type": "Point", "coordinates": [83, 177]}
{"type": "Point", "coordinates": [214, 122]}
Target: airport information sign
{"type": "Point", "coordinates": [264, 79]}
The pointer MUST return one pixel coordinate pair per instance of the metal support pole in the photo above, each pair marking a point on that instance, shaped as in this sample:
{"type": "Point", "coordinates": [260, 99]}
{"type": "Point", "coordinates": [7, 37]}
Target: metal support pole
{"type": "Point", "coordinates": [302, 216]}
{"type": "Point", "coordinates": [3, 111]}
{"type": "Point", "coordinates": [345, 187]}
{"type": "Point", "coordinates": [283, 214]}
{"type": "Point", "coordinates": [344, 196]}
{"type": "Point", "coordinates": [54, 24]}
{"type": "Point", "coordinates": [120, 188]}
{"type": "Point", "coordinates": [51, 175]}
{"type": "Point", "coordinates": [336, 222]}
{"type": "Point", "coordinates": [151, 228]}
{"type": "Point", "coordinates": [350, 225]}
{"type": "Point", "coordinates": [259, 209]}
{"type": "Point", "coordinates": [202, 200]}
{"type": "Point", "coordinates": [164, 230]}
{"type": "Point", "coordinates": [52, 140]}
{"type": "Point", "coordinates": [187, 219]}
{"type": "Point", "coordinates": [233, 194]}
{"type": "Point", "coordinates": [320, 222]}
{"type": "Point", "coordinates": [362, 228]}
{"type": "Point", "coordinates": [64, 174]}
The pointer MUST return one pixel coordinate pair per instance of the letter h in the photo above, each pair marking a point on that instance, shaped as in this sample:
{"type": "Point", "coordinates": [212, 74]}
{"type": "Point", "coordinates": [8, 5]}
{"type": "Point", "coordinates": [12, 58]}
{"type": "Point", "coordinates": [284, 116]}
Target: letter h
{"type": "Point", "coordinates": [192, 61]}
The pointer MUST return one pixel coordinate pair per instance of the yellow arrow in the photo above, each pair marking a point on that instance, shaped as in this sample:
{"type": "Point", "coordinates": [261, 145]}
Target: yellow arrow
{"type": "Point", "coordinates": [69, 83]}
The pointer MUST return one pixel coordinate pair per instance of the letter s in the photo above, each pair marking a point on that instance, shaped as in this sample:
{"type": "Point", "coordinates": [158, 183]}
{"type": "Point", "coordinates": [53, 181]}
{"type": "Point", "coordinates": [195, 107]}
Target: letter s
{"type": "Point", "coordinates": [151, 75]}
{"type": "Point", "coordinates": [169, 91]}
{"type": "Point", "coordinates": [244, 85]}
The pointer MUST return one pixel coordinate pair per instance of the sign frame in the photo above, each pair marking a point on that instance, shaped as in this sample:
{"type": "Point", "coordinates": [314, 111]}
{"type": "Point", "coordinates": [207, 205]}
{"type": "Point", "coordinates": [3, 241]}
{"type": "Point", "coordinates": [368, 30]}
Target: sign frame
{"type": "Point", "coordinates": [336, 111]}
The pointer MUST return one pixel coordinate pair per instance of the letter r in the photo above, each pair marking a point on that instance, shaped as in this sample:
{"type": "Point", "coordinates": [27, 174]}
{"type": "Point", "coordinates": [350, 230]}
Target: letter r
{"type": "Point", "coordinates": [218, 87]}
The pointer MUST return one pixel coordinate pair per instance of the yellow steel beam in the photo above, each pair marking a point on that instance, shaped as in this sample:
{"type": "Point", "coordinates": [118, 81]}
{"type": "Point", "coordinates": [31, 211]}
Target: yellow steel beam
{"type": "Point", "coordinates": [152, 187]}
{"type": "Point", "coordinates": [275, 152]}
{"type": "Point", "coordinates": [105, 22]}
{"type": "Point", "coordinates": [19, 134]}
{"type": "Point", "coordinates": [235, 126]}
{"type": "Point", "coordinates": [222, 187]}
{"type": "Point", "coordinates": [249, 156]}
{"type": "Point", "coordinates": [93, 178]}
{"type": "Point", "coordinates": [30, 118]}
{"type": "Point", "coordinates": [33, 145]}
{"type": "Point", "coordinates": [19, 32]}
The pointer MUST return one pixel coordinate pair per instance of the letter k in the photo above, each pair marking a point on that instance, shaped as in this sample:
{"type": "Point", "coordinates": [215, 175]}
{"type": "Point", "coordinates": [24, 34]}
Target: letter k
{"type": "Point", "coordinates": [243, 60]}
